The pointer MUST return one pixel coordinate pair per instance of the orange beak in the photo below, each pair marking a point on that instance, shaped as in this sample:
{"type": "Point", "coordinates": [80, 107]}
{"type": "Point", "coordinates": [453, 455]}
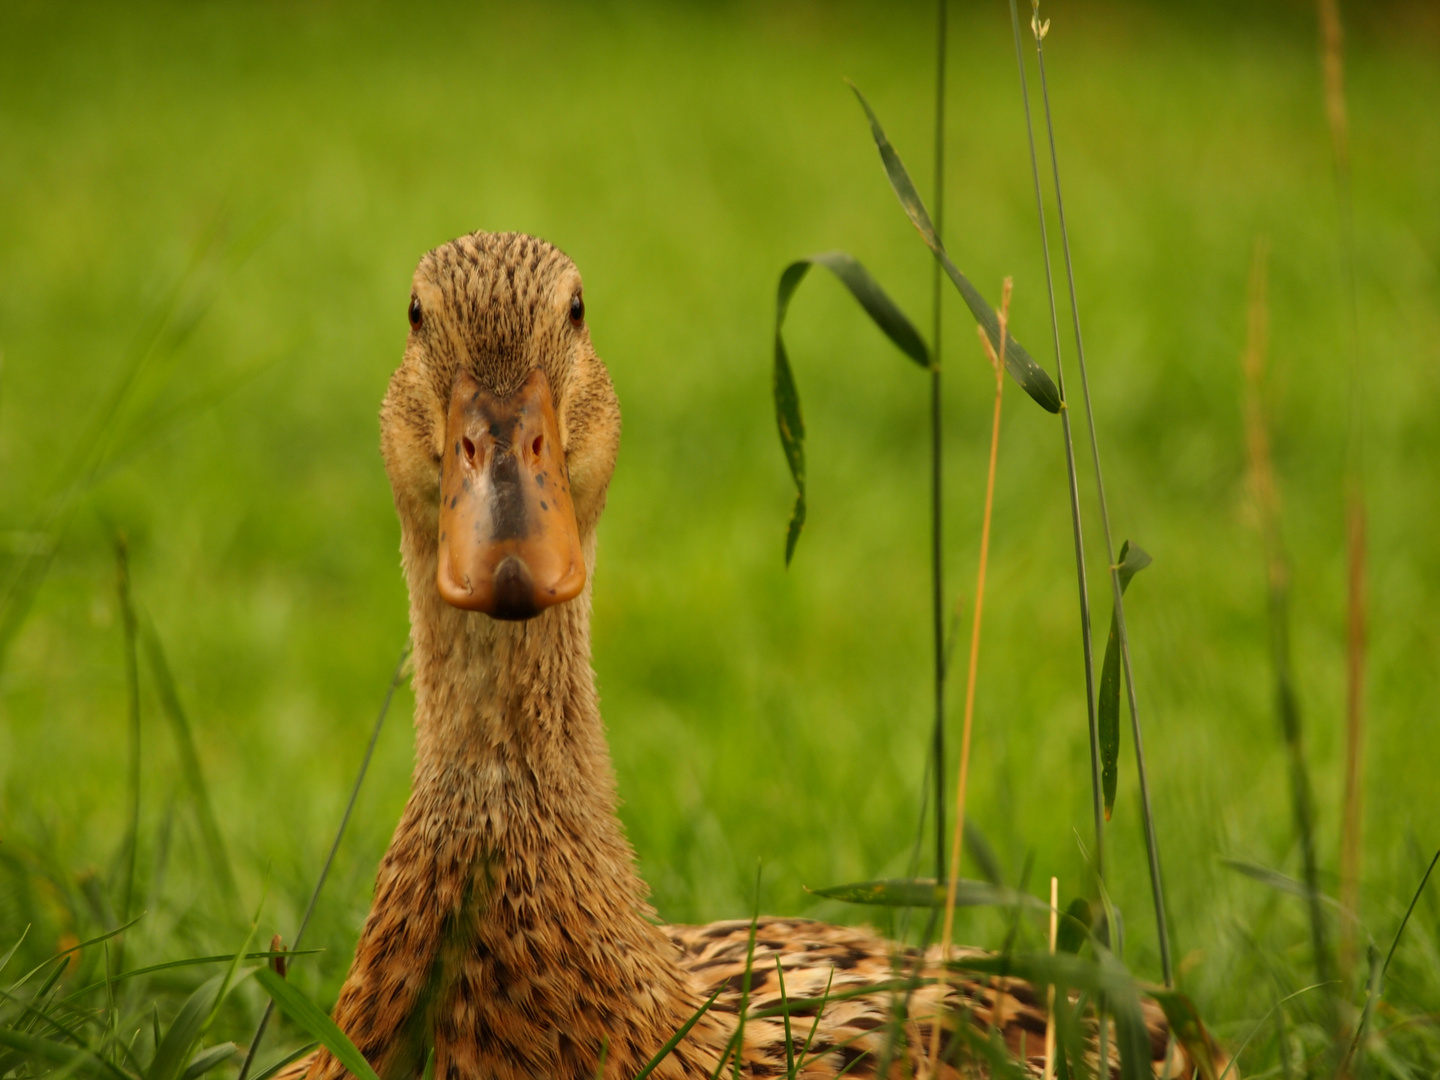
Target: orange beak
{"type": "Point", "coordinates": [509, 545]}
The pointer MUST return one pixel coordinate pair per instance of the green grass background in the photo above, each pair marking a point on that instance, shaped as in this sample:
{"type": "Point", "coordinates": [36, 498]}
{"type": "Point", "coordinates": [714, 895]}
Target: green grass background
{"type": "Point", "coordinates": [682, 155]}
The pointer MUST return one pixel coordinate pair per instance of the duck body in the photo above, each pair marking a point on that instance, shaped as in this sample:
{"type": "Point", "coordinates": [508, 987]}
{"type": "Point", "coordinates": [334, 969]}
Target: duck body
{"type": "Point", "coordinates": [510, 934]}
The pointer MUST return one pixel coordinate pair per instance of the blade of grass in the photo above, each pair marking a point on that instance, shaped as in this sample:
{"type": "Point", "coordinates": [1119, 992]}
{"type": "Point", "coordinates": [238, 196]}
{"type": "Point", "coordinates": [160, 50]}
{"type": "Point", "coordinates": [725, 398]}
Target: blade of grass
{"type": "Point", "coordinates": [194, 961]}
{"type": "Point", "coordinates": [206, 1060]}
{"type": "Point", "coordinates": [674, 1040]}
{"type": "Point", "coordinates": [926, 893]}
{"type": "Point", "coordinates": [1023, 369]}
{"type": "Point", "coordinates": [1050, 990]}
{"type": "Point", "coordinates": [745, 980]}
{"type": "Point", "coordinates": [974, 667]}
{"type": "Point", "coordinates": [1377, 982]}
{"type": "Point", "coordinates": [307, 1015]}
{"type": "Point", "coordinates": [330, 858]}
{"type": "Point", "coordinates": [1333, 62]}
{"type": "Point", "coordinates": [290, 1058]}
{"type": "Point", "coordinates": [48, 1050]}
{"type": "Point", "coordinates": [1287, 705]}
{"type": "Point", "coordinates": [1152, 844]}
{"type": "Point", "coordinates": [173, 1053]}
{"type": "Point", "coordinates": [883, 311]}
{"type": "Point", "coordinates": [60, 956]}
{"type": "Point", "coordinates": [937, 496]}
{"type": "Point", "coordinates": [1132, 561]}
{"type": "Point", "coordinates": [1087, 646]}
{"type": "Point", "coordinates": [189, 761]}
{"type": "Point", "coordinates": [785, 1001]}
{"type": "Point", "coordinates": [132, 687]}
{"type": "Point", "coordinates": [160, 331]}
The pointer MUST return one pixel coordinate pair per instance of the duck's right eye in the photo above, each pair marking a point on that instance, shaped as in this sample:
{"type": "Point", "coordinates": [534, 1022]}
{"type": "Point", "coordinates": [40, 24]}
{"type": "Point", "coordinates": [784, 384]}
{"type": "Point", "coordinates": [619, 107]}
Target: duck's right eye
{"type": "Point", "coordinates": [415, 311]}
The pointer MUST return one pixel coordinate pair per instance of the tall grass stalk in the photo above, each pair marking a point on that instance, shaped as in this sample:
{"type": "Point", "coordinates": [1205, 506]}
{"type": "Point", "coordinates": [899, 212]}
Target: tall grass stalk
{"type": "Point", "coordinates": [1087, 644]}
{"type": "Point", "coordinates": [1267, 498]}
{"type": "Point", "coordinates": [334, 847]}
{"type": "Point", "coordinates": [132, 700]}
{"type": "Point", "coordinates": [1152, 846]}
{"type": "Point", "coordinates": [1333, 65]}
{"type": "Point", "coordinates": [963, 780]}
{"type": "Point", "coordinates": [937, 558]}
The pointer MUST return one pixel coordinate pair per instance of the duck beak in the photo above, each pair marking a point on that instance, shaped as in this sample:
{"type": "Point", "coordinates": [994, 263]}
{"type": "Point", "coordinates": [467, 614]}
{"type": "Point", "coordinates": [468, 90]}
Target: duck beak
{"type": "Point", "coordinates": [509, 545]}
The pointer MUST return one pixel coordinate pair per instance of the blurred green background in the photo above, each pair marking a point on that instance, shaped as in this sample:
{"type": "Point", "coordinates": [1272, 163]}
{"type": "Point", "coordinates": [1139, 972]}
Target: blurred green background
{"type": "Point", "coordinates": [258, 180]}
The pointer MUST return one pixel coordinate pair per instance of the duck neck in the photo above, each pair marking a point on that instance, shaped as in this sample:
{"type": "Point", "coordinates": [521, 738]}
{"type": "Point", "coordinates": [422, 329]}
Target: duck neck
{"type": "Point", "coordinates": [510, 929]}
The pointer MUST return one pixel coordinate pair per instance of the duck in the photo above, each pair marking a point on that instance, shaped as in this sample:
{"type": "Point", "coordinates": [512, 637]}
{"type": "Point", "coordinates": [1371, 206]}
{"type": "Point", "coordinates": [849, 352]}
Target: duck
{"type": "Point", "coordinates": [510, 935]}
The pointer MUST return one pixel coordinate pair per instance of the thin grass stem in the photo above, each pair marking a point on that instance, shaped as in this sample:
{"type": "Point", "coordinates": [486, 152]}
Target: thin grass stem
{"type": "Point", "coordinates": [1086, 643]}
{"type": "Point", "coordinates": [1287, 705]}
{"type": "Point", "coordinates": [1333, 64]}
{"type": "Point", "coordinates": [937, 505]}
{"type": "Point", "coordinates": [132, 701]}
{"type": "Point", "coordinates": [334, 847]}
{"type": "Point", "coordinates": [1152, 848]}
{"type": "Point", "coordinates": [963, 781]}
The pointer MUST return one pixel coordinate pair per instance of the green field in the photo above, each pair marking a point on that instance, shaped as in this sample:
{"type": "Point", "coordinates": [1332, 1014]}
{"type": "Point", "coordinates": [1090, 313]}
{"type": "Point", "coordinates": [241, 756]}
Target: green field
{"type": "Point", "coordinates": [259, 181]}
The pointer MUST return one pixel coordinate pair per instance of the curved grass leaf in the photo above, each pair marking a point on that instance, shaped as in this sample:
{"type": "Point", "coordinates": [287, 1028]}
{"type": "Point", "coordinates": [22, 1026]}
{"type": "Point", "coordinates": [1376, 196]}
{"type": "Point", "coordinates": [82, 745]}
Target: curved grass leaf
{"type": "Point", "coordinates": [883, 311]}
{"type": "Point", "coordinates": [172, 1057]}
{"type": "Point", "coordinates": [193, 961]}
{"type": "Point", "coordinates": [1133, 559]}
{"type": "Point", "coordinates": [288, 1059]}
{"type": "Point", "coordinates": [1075, 924]}
{"type": "Point", "coordinates": [34, 1047]}
{"type": "Point", "coordinates": [1033, 379]}
{"type": "Point", "coordinates": [214, 842]}
{"type": "Point", "coordinates": [308, 1016]}
{"type": "Point", "coordinates": [927, 892]}
{"type": "Point", "coordinates": [206, 1060]}
{"type": "Point", "coordinates": [674, 1040]}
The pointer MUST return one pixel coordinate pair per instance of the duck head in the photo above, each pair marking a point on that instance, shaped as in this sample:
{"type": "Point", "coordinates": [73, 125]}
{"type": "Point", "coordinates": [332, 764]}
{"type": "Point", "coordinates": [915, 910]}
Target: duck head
{"type": "Point", "coordinates": [500, 427]}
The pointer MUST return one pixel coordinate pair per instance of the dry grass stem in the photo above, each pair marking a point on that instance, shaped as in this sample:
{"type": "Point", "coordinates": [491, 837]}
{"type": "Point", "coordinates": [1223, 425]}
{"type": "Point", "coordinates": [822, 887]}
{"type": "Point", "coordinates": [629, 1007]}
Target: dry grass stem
{"type": "Point", "coordinates": [958, 833]}
{"type": "Point", "coordinates": [1332, 58]}
{"type": "Point", "coordinates": [1050, 990]}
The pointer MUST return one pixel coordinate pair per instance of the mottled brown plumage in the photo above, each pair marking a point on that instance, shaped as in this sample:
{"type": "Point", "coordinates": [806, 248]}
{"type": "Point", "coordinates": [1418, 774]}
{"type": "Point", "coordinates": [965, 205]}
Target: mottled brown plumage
{"type": "Point", "coordinates": [510, 930]}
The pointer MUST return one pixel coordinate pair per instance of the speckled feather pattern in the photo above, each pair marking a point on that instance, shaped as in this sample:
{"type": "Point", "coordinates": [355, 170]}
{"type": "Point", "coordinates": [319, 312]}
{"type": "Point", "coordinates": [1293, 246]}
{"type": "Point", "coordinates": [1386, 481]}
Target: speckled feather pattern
{"type": "Point", "coordinates": [510, 931]}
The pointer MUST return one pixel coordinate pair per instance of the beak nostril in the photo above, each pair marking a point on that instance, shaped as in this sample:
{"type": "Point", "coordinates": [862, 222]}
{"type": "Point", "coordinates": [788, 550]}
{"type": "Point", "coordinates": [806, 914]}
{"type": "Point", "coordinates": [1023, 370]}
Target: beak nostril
{"type": "Point", "coordinates": [535, 446]}
{"type": "Point", "coordinates": [469, 447]}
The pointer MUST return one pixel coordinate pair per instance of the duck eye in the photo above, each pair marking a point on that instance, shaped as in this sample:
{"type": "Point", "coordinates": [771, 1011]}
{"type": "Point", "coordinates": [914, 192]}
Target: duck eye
{"type": "Point", "coordinates": [577, 309]}
{"type": "Point", "coordinates": [415, 311]}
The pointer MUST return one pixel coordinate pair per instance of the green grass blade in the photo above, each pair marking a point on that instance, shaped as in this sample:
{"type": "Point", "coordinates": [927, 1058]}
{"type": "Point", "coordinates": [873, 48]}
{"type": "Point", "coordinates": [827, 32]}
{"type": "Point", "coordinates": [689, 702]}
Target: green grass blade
{"type": "Point", "coordinates": [173, 1053]}
{"type": "Point", "coordinates": [193, 961]}
{"type": "Point", "coordinates": [36, 1048]}
{"type": "Point", "coordinates": [4, 960]}
{"type": "Point", "coordinates": [1377, 980]}
{"type": "Point", "coordinates": [977, 846]}
{"type": "Point", "coordinates": [1132, 560]}
{"type": "Point", "coordinates": [1074, 926]}
{"type": "Point", "coordinates": [395, 679]}
{"type": "Point", "coordinates": [206, 1060]}
{"type": "Point", "coordinates": [63, 953]}
{"type": "Point", "coordinates": [883, 311]}
{"type": "Point", "coordinates": [674, 1040]}
{"type": "Point", "coordinates": [926, 893]}
{"type": "Point", "coordinates": [785, 1001]}
{"type": "Point", "coordinates": [288, 1059]}
{"type": "Point", "coordinates": [1033, 379]}
{"type": "Point", "coordinates": [189, 760]}
{"type": "Point", "coordinates": [305, 1013]}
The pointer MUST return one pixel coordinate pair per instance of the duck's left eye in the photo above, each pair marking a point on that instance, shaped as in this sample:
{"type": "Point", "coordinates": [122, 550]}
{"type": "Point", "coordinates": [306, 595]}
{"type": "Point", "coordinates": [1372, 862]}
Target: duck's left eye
{"type": "Point", "coordinates": [415, 311]}
{"type": "Point", "coordinates": [577, 309]}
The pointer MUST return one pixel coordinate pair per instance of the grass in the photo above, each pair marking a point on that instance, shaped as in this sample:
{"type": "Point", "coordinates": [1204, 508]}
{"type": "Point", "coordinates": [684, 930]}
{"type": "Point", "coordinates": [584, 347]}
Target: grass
{"type": "Point", "coordinates": [683, 158]}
